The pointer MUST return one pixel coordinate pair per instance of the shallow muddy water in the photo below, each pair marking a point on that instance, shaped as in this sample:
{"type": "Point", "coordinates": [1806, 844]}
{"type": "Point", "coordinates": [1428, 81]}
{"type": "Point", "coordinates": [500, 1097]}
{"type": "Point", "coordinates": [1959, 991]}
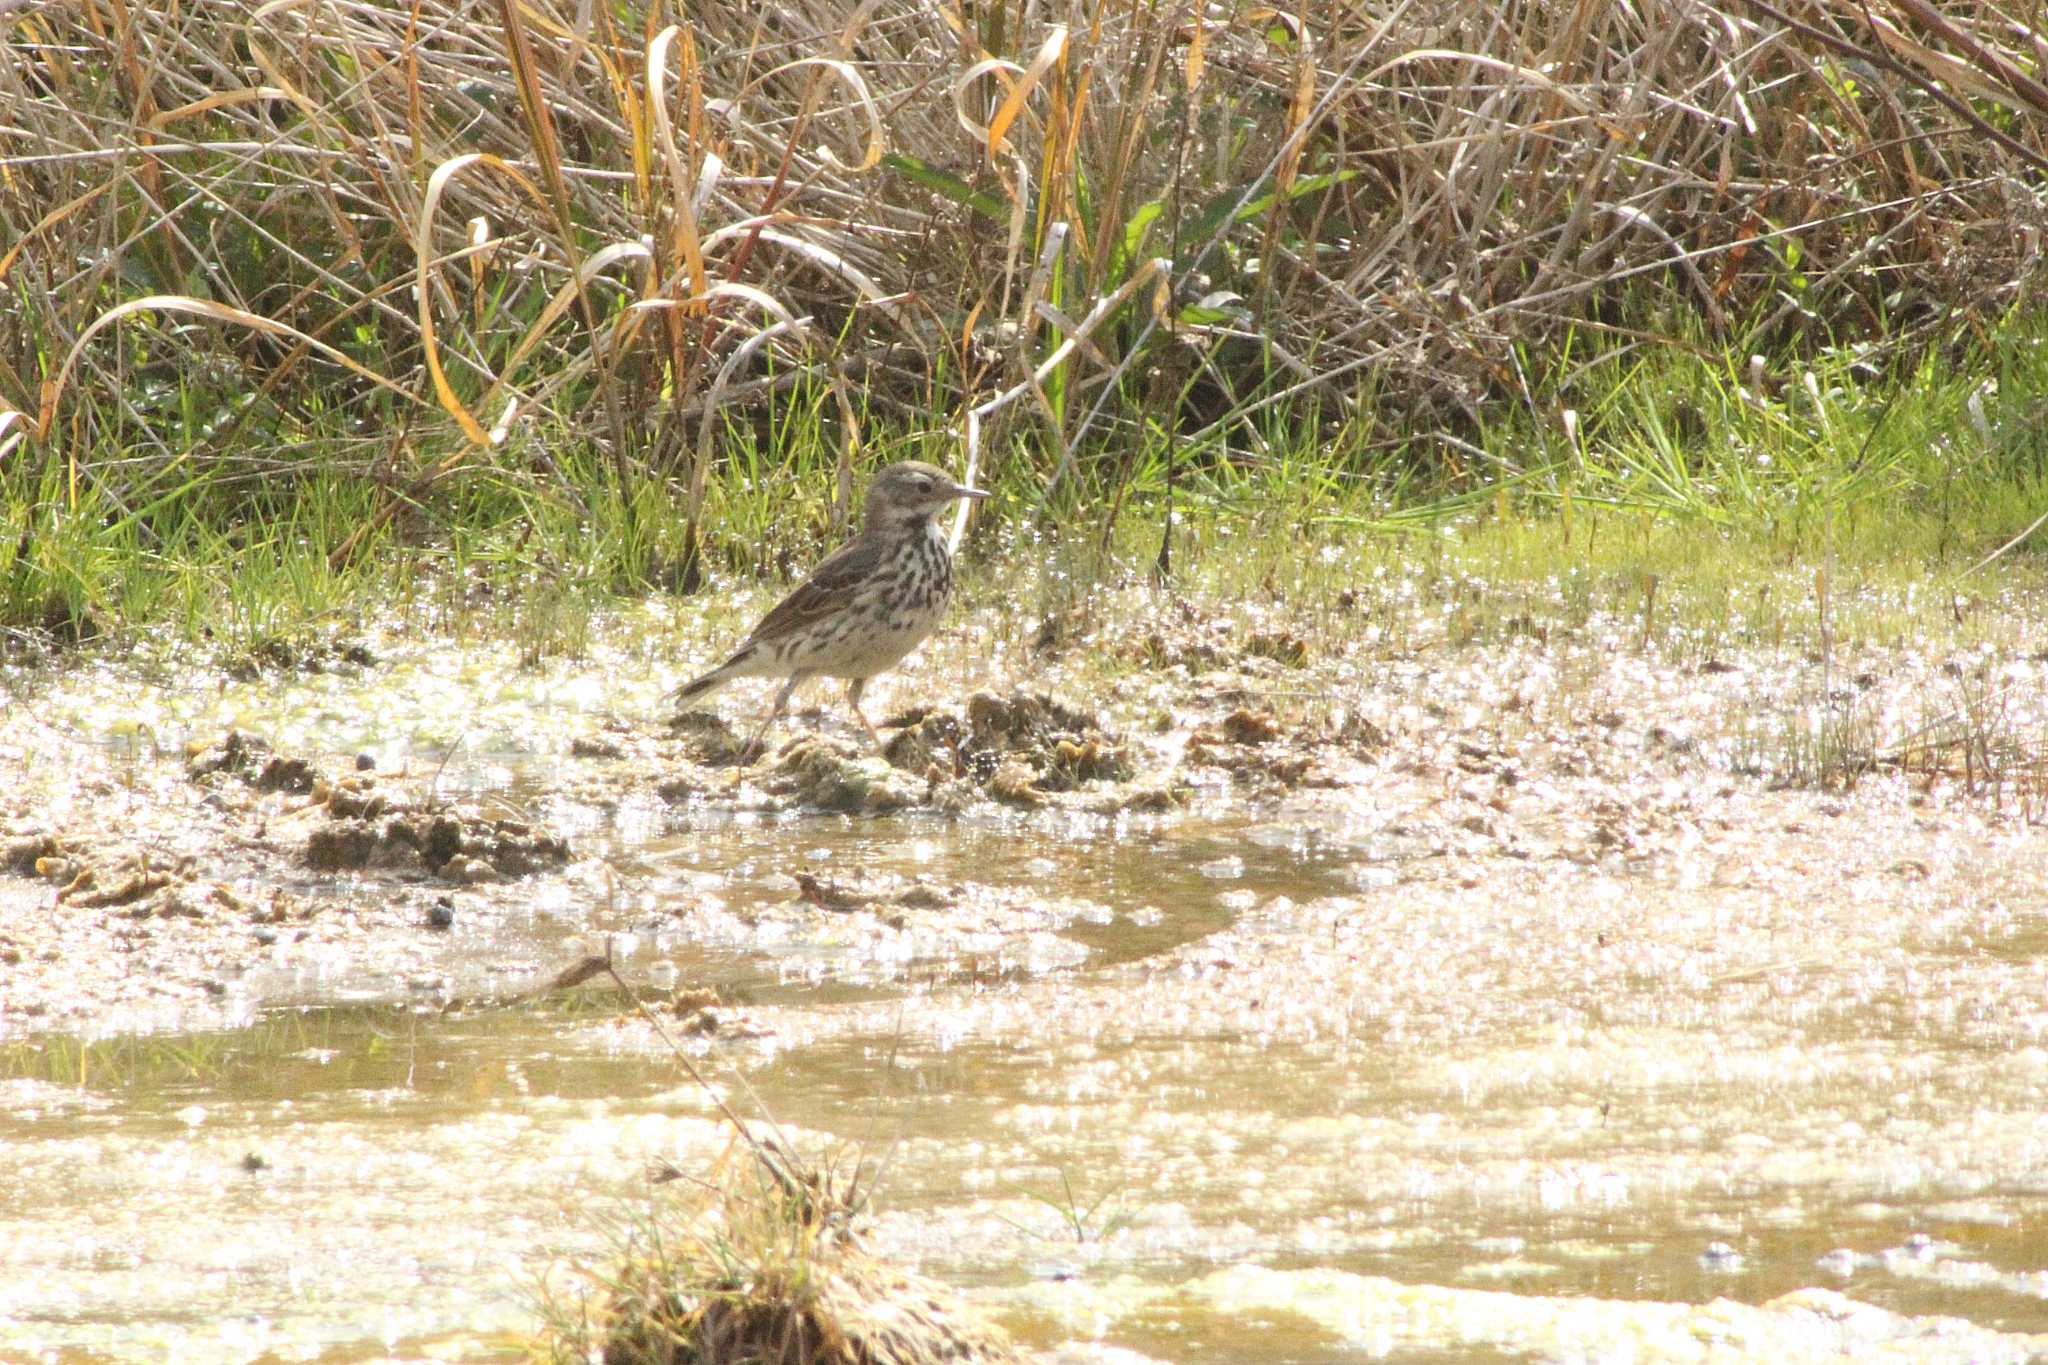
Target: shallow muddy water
{"type": "Point", "coordinates": [364, 1182]}
{"type": "Point", "coordinates": [347, 1182]}
{"type": "Point", "coordinates": [1492, 1038]}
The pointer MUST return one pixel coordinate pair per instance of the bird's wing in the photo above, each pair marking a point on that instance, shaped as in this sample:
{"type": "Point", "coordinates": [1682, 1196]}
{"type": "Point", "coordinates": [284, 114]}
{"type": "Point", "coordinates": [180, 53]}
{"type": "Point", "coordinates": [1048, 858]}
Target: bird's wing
{"type": "Point", "coordinates": [829, 589]}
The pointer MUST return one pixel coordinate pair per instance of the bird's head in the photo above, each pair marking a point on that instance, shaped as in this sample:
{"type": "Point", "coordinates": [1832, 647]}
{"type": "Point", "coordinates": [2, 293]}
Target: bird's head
{"type": "Point", "coordinates": [912, 492]}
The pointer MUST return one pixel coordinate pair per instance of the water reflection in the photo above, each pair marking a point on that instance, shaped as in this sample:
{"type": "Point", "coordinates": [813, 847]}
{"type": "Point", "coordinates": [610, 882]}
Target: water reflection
{"type": "Point", "coordinates": [1157, 1086]}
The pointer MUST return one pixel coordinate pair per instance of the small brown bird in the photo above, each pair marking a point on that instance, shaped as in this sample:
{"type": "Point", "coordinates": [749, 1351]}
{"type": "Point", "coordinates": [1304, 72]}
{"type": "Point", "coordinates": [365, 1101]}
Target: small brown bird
{"type": "Point", "coordinates": [871, 602]}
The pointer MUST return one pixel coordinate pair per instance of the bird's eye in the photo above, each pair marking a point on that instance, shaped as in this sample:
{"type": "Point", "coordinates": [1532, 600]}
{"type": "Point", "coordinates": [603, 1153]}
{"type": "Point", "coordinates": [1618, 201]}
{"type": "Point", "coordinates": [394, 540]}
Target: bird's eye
{"type": "Point", "coordinates": [924, 485]}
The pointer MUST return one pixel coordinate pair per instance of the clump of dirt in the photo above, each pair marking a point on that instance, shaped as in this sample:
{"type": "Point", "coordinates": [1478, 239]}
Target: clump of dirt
{"type": "Point", "coordinates": [1019, 748]}
{"type": "Point", "coordinates": [1251, 745]}
{"type": "Point", "coordinates": [22, 850]}
{"type": "Point", "coordinates": [699, 1009]}
{"type": "Point", "coordinates": [131, 880]}
{"type": "Point", "coordinates": [877, 893]}
{"type": "Point", "coordinates": [364, 832]}
{"type": "Point", "coordinates": [1157, 650]}
{"type": "Point", "coordinates": [1283, 647]}
{"type": "Point", "coordinates": [122, 880]}
{"type": "Point", "coordinates": [820, 773]}
{"type": "Point", "coordinates": [1244, 726]}
{"type": "Point", "coordinates": [707, 738]}
{"type": "Point", "coordinates": [1255, 747]}
{"type": "Point", "coordinates": [251, 759]}
{"type": "Point", "coordinates": [287, 656]}
{"type": "Point", "coordinates": [1029, 748]}
{"type": "Point", "coordinates": [357, 824]}
{"type": "Point", "coordinates": [595, 746]}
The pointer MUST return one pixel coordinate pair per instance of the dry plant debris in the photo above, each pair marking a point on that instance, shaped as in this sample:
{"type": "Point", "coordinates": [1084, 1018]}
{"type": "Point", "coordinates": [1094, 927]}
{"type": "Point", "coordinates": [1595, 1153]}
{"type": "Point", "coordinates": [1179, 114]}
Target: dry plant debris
{"type": "Point", "coordinates": [765, 1264]}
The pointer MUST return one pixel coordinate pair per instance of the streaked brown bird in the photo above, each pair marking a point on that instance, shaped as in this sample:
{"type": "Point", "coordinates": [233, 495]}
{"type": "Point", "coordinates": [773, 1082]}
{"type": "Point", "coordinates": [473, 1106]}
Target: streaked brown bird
{"type": "Point", "coordinates": [871, 602]}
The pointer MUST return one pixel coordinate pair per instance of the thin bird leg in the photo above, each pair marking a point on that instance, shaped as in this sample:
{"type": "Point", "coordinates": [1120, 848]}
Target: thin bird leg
{"type": "Point", "coordinates": [796, 680]}
{"type": "Point", "coordinates": [854, 687]}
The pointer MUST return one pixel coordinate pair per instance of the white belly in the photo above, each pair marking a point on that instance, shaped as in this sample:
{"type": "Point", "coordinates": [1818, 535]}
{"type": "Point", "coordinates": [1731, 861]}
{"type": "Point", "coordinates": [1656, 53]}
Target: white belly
{"type": "Point", "coordinates": [871, 649]}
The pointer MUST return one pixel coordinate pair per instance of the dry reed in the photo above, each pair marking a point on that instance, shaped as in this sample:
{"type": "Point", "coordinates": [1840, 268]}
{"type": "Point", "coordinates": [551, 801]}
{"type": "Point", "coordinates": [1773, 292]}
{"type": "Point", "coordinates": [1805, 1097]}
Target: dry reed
{"type": "Point", "coordinates": [399, 234]}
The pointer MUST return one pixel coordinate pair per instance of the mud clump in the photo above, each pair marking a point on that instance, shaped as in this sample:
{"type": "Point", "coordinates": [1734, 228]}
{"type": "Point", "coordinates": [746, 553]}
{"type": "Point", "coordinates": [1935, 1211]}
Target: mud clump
{"type": "Point", "coordinates": [1283, 647]}
{"type": "Point", "coordinates": [827, 895]}
{"type": "Point", "coordinates": [121, 881]}
{"type": "Point", "coordinates": [1023, 748]}
{"type": "Point", "coordinates": [137, 885]}
{"type": "Point", "coordinates": [1251, 745]}
{"type": "Point", "coordinates": [1187, 651]}
{"type": "Point", "coordinates": [821, 774]}
{"type": "Point", "coordinates": [21, 852]}
{"type": "Point", "coordinates": [286, 656]}
{"type": "Point", "coordinates": [707, 738]}
{"type": "Point", "coordinates": [1023, 718]}
{"type": "Point", "coordinates": [251, 759]}
{"type": "Point", "coordinates": [877, 895]}
{"type": "Point", "coordinates": [1015, 783]}
{"type": "Point", "coordinates": [356, 800]}
{"type": "Point", "coordinates": [453, 845]}
{"type": "Point", "coordinates": [1250, 727]}
{"type": "Point", "coordinates": [361, 826]}
{"type": "Point", "coordinates": [1020, 748]}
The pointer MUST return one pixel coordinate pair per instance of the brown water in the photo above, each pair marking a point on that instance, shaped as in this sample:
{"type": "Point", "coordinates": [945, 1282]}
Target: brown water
{"type": "Point", "coordinates": [1535, 1036]}
{"type": "Point", "coordinates": [389, 1182]}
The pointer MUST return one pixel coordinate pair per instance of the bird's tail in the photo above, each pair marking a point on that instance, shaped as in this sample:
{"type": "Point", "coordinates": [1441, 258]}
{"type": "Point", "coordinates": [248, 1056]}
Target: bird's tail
{"type": "Point", "coordinates": [718, 677]}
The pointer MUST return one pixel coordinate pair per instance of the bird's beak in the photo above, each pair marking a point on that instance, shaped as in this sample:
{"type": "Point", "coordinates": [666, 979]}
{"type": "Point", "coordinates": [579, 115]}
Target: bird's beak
{"type": "Point", "coordinates": [961, 490]}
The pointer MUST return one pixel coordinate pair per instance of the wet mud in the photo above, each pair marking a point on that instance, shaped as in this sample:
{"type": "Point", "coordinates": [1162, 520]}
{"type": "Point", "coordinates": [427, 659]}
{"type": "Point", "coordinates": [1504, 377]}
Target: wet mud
{"type": "Point", "coordinates": [1219, 988]}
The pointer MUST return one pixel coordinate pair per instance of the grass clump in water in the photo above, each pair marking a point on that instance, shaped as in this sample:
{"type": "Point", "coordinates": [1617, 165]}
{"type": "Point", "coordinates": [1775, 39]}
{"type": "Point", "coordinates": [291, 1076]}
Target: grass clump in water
{"type": "Point", "coordinates": [764, 1265]}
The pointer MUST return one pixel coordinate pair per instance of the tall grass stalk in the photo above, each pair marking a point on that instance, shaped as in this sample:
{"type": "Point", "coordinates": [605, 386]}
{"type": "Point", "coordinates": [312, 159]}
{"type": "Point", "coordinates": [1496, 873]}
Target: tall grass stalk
{"type": "Point", "coordinates": [381, 280]}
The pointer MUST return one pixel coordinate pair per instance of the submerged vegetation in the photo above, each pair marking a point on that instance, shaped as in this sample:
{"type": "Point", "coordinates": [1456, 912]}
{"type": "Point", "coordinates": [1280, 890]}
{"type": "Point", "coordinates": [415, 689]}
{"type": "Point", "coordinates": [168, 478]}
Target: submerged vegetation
{"type": "Point", "coordinates": [312, 305]}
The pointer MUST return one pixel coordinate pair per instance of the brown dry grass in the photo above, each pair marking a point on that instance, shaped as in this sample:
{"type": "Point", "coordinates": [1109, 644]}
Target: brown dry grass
{"type": "Point", "coordinates": [406, 231]}
{"type": "Point", "coordinates": [743, 1269]}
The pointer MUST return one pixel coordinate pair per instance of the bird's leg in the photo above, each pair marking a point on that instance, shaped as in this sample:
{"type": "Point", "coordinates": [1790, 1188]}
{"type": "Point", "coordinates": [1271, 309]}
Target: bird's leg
{"type": "Point", "coordinates": [854, 687]}
{"type": "Point", "coordinates": [796, 680]}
